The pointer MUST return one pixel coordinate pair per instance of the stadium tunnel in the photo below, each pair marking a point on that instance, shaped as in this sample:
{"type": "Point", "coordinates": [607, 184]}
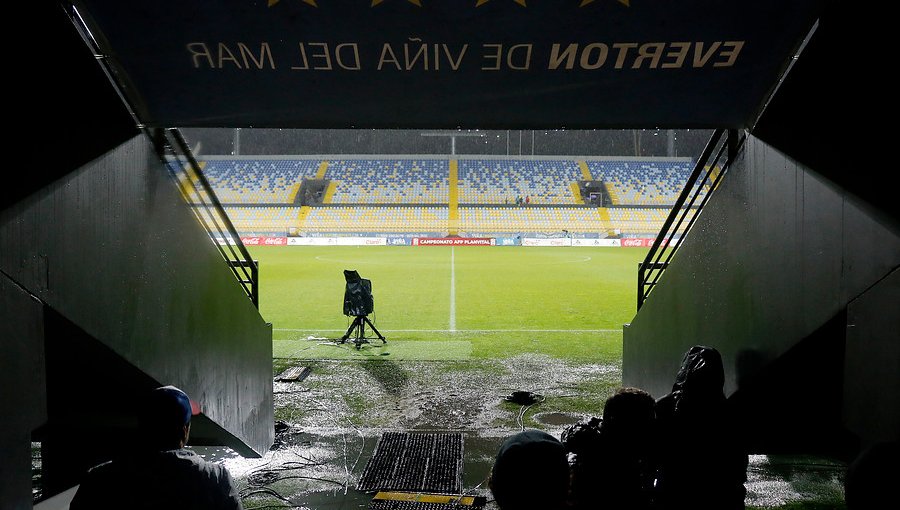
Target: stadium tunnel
{"type": "Point", "coordinates": [791, 272]}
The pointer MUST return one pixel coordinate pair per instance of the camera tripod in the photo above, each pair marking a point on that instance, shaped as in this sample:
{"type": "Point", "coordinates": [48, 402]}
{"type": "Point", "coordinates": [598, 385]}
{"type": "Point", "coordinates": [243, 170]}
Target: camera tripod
{"type": "Point", "coordinates": [359, 324]}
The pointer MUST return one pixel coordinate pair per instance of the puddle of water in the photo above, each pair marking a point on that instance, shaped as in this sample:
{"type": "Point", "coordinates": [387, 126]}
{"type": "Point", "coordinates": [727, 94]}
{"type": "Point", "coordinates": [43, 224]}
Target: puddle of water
{"type": "Point", "coordinates": [329, 424]}
{"type": "Point", "coordinates": [556, 419]}
{"type": "Point", "coordinates": [321, 472]}
{"type": "Point", "coordinates": [775, 481]}
{"type": "Point", "coordinates": [335, 417]}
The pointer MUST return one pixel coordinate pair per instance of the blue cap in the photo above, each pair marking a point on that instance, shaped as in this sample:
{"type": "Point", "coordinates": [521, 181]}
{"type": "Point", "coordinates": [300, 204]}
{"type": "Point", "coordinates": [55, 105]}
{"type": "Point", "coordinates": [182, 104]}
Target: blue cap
{"type": "Point", "coordinates": [168, 404]}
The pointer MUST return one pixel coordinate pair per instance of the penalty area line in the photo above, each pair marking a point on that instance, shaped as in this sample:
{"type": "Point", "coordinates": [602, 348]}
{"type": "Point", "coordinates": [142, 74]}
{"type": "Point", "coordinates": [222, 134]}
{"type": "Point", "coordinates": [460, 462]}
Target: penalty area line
{"type": "Point", "coordinates": [471, 330]}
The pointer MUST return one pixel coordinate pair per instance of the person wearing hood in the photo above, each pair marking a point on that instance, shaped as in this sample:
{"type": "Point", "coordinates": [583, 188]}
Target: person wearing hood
{"type": "Point", "coordinates": [702, 460]}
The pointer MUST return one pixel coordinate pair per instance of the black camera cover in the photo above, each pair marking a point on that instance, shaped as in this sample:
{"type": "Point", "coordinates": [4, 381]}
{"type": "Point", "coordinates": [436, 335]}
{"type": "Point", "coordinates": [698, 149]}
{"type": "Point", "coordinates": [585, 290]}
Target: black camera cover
{"type": "Point", "coordinates": [358, 299]}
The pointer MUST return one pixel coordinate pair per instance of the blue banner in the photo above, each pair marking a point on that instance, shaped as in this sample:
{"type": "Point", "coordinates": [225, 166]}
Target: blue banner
{"type": "Point", "coordinates": [491, 64]}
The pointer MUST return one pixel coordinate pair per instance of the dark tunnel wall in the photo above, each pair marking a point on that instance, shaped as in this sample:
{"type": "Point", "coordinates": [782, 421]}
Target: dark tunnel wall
{"type": "Point", "coordinates": [114, 250]}
{"type": "Point", "coordinates": [68, 112]}
{"type": "Point", "coordinates": [823, 114]}
{"type": "Point", "coordinates": [23, 387]}
{"type": "Point", "coordinates": [872, 362]}
{"type": "Point", "coordinates": [765, 276]}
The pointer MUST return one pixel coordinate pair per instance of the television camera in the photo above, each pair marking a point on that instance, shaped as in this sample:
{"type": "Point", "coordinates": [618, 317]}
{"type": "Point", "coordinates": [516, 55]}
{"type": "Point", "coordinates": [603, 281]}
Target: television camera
{"type": "Point", "coordinates": [359, 303]}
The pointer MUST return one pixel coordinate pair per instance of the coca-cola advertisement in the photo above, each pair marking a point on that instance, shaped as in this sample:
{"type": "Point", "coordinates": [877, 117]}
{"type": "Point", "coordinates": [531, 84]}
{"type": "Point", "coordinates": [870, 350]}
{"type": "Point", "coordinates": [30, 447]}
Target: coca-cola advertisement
{"type": "Point", "coordinates": [641, 242]}
{"type": "Point", "coordinates": [264, 241]}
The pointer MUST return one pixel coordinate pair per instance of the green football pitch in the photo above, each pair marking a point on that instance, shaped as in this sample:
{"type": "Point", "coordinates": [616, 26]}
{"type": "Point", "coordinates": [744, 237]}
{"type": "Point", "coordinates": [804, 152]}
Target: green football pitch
{"type": "Point", "coordinates": [452, 302]}
{"type": "Point", "coordinates": [464, 327]}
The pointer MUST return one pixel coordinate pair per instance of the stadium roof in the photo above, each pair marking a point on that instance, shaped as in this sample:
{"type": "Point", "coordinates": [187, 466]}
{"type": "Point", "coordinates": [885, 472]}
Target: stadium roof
{"type": "Point", "coordinates": [685, 64]}
{"type": "Point", "coordinates": [489, 64]}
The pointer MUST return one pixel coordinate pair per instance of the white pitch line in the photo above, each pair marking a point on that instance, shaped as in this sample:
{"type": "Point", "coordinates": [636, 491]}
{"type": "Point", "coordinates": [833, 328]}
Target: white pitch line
{"type": "Point", "coordinates": [472, 330]}
{"type": "Point", "coordinates": [452, 291]}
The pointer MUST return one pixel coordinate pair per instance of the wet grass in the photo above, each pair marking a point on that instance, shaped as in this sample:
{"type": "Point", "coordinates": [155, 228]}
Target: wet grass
{"type": "Point", "coordinates": [390, 375]}
{"type": "Point", "coordinates": [576, 346]}
{"type": "Point", "coordinates": [546, 321]}
{"type": "Point", "coordinates": [508, 289]}
{"type": "Point", "coordinates": [343, 406]}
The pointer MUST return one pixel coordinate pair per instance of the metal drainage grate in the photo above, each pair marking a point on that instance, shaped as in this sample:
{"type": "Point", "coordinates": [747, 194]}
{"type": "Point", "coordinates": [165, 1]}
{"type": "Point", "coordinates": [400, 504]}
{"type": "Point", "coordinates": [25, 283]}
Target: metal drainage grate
{"type": "Point", "coordinates": [415, 462]}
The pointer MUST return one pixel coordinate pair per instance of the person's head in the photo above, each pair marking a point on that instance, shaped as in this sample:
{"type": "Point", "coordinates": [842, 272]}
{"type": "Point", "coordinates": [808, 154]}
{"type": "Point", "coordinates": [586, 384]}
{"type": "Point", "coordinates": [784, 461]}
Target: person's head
{"type": "Point", "coordinates": [165, 418]}
{"type": "Point", "coordinates": [531, 471]}
{"type": "Point", "coordinates": [629, 412]}
{"type": "Point", "coordinates": [702, 373]}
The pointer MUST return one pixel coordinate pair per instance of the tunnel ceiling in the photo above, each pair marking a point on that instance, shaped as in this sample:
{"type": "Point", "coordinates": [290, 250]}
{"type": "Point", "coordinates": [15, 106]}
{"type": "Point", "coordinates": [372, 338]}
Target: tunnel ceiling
{"type": "Point", "coordinates": [490, 64]}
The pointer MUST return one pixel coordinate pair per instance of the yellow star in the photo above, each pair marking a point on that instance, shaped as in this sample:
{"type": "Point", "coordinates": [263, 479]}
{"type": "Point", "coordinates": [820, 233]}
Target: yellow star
{"type": "Point", "coordinates": [626, 3]}
{"type": "Point", "coordinates": [479, 3]}
{"type": "Point", "coordinates": [418, 3]}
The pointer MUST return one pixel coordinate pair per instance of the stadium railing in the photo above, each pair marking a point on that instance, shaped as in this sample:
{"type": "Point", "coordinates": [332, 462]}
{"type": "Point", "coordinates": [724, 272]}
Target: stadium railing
{"type": "Point", "coordinates": [708, 172]}
{"type": "Point", "coordinates": [199, 194]}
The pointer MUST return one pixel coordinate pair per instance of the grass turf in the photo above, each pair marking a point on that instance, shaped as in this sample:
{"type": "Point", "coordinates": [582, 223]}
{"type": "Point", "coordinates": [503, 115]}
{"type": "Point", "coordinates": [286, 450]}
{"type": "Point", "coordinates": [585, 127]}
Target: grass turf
{"type": "Point", "coordinates": [565, 303]}
{"type": "Point", "coordinates": [452, 302]}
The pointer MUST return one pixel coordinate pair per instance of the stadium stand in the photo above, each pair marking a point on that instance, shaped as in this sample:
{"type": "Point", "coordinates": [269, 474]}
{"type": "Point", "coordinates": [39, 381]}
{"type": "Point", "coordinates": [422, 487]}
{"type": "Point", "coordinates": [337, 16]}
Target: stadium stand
{"type": "Point", "coordinates": [439, 196]}
{"type": "Point", "coordinates": [257, 181]}
{"type": "Point", "coordinates": [387, 219]}
{"type": "Point", "coordinates": [641, 222]}
{"type": "Point", "coordinates": [544, 220]}
{"type": "Point", "coordinates": [642, 182]}
{"type": "Point", "coordinates": [389, 181]}
{"type": "Point", "coordinates": [500, 181]}
{"type": "Point", "coordinates": [264, 220]}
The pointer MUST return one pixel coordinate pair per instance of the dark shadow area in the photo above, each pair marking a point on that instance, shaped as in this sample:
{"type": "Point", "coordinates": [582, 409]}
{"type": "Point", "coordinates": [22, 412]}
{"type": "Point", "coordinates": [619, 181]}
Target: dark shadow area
{"type": "Point", "coordinates": [92, 414]}
{"type": "Point", "coordinates": [793, 404]}
{"type": "Point", "coordinates": [89, 420]}
{"type": "Point", "coordinates": [389, 374]}
{"type": "Point", "coordinates": [88, 118]}
{"type": "Point", "coordinates": [819, 116]}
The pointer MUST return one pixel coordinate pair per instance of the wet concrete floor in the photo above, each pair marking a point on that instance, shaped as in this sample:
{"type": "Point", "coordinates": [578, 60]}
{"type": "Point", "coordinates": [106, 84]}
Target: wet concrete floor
{"type": "Point", "coordinates": [328, 425]}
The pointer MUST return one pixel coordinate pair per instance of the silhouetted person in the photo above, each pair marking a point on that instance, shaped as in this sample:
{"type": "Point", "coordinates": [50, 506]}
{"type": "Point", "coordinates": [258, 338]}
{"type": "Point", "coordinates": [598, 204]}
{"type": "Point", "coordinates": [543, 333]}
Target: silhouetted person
{"type": "Point", "coordinates": [613, 458]}
{"type": "Point", "coordinates": [702, 462]}
{"type": "Point", "coordinates": [531, 472]}
{"type": "Point", "coordinates": [583, 444]}
{"type": "Point", "coordinates": [871, 478]}
{"type": "Point", "coordinates": [628, 462]}
{"type": "Point", "coordinates": [161, 473]}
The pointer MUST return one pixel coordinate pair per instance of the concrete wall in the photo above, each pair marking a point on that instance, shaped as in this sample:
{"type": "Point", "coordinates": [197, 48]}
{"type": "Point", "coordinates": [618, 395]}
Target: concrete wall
{"type": "Point", "coordinates": [771, 263]}
{"type": "Point", "coordinates": [22, 385]}
{"type": "Point", "coordinates": [872, 364]}
{"type": "Point", "coordinates": [116, 254]}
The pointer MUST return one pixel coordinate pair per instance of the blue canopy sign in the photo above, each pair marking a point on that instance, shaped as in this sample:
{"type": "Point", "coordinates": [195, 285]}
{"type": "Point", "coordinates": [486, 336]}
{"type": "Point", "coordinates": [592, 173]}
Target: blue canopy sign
{"type": "Point", "coordinates": [490, 64]}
